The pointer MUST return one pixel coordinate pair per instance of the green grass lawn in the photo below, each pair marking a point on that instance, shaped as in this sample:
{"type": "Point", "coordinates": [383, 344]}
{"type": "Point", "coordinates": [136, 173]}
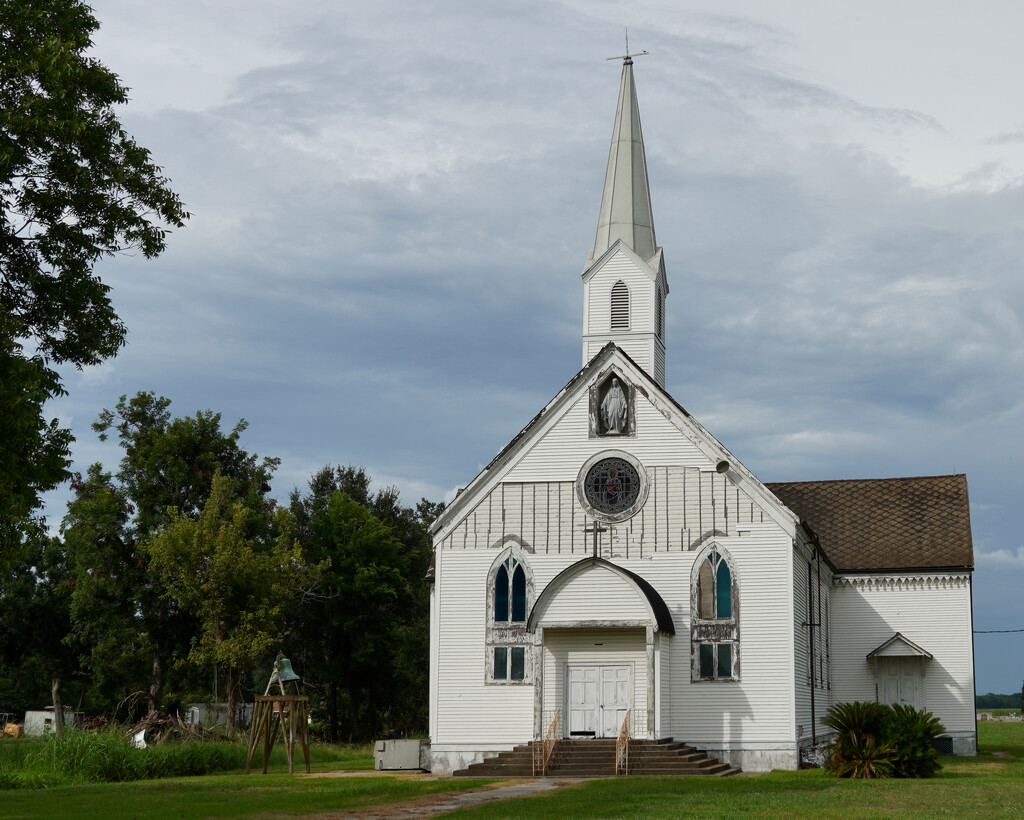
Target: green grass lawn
{"type": "Point", "coordinates": [221, 796]}
{"type": "Point", "coordinates": [988, 786]}
{"type": "Point", "coordinates": [984, 787]}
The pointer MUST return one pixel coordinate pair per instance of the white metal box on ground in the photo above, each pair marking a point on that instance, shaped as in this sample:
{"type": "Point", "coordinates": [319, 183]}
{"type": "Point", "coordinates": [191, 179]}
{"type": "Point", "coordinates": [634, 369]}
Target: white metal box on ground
{"type": "Point", "coordinates": [40, 721]}
{"type": "Point", "coordinates": [396, 754]}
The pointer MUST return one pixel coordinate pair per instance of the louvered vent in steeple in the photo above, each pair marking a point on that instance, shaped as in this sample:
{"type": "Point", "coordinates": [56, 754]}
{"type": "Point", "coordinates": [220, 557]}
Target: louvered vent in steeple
{"type": "Point", "coordinates": [620, 306]}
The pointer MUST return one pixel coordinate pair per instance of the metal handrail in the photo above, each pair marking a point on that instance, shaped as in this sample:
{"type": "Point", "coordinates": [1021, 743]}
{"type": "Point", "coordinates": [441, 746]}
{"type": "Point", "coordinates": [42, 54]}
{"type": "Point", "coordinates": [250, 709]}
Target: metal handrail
{"type": "Point", "coordinates": [622, 746]}
{"type": "Point", "coordinates": [544, 749]}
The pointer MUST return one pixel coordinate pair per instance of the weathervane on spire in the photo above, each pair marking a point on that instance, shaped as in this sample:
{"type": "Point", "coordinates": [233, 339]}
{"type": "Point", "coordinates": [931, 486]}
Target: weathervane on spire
{"type": "Point", "coordinates": [627, 58]}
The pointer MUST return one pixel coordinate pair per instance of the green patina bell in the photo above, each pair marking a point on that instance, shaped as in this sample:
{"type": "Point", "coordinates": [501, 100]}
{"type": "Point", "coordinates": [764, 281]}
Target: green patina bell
{"type": "Point", "coordinates": [285, 670]}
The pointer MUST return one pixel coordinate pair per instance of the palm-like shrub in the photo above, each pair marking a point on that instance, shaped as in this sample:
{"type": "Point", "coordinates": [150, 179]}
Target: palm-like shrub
{"type": "Point", "coordinates": [859, 756]}
{"type": "Point", "coordinates": [911, 732]}
{"type": "Point", "coordinates": [877, 740]}
{"type": "Point", "coordinates": [862, 717]}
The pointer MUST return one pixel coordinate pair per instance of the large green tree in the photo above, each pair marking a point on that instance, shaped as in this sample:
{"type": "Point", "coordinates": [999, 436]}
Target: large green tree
{"type": "Point", "coordinates": [365, 635]}
{"type": "Point", "coordinates": [121, 607]}
{"type": "Point", "coordinates": [74, 188]}
{"type": "Point", "coordinates": [235, 568]}
{"type": "Point", "coordinates": [38, 655]}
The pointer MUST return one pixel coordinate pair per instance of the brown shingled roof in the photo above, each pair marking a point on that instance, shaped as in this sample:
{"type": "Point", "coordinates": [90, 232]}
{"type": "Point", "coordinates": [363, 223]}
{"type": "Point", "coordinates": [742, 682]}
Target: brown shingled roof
{"type": "Point", "coordinates": [886, 523]}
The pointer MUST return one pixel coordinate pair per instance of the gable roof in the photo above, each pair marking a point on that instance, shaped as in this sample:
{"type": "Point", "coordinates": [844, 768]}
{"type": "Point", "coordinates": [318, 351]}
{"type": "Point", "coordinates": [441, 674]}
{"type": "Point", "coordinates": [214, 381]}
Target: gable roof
{"type": "Point", "coordinates": [706, 443]}
{"type": "Point", "coordinates": [886, 523]}
{"type": "Point", "coordinates": [899, 646]}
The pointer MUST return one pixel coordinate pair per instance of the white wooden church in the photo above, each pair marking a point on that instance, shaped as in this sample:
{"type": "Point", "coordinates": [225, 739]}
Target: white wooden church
{"type": "Point", "coordinates": [616, 565]}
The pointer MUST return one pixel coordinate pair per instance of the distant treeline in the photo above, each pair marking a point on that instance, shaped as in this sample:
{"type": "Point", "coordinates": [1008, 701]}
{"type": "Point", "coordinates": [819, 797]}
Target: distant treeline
{"type": "Point", "coordinates": [991, 701]}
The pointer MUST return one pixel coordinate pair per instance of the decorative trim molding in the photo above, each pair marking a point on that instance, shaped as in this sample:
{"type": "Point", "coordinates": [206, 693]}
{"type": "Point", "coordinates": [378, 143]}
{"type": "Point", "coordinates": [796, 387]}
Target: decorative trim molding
{"type": "Point", "coordinates": [897, 583]}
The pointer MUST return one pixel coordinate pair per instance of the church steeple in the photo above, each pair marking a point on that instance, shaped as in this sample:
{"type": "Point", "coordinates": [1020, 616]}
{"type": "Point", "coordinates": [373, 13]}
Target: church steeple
{"type": "Point", "coordinates": [626, 201]}
{"type": "Point", "coordinates": [624, 284]}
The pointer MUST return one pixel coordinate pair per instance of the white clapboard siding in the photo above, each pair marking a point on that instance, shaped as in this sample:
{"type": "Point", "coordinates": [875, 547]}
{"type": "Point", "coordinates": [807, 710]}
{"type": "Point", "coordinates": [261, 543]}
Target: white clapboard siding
{"type": "Point", "coordinates": [756, 709]}
{"type": "Point", "coordinates": [590, 647]}
{"type": "Point", "coordinates": [470, 711]}
{"type": "Point", "coordinates": [598, 291]}
{"type": "Point", "coordinates": [759, 707]}
{"type": "Point", "coordinates": [933, 611]}
{"type": "Point", "coordinates": [562, 450]}
{"type": "Point", "coordinates": [805, 612]}
{"type": "Point", "coordinates": [595, 595]}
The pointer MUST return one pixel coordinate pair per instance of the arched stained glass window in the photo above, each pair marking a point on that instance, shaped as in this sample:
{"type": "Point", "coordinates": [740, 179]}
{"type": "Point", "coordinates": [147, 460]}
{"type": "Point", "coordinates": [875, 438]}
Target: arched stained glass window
{"type": "Point", "coordinates": [508, 661]}
{"type": "Point", "coordinates": [714, 626]}
{"type": "Point", "coordinates": [723, 591]}
{"type": "Point", "coordinates": [510, 592]}
{"type": "Point", "coordinates": [714, 588]}
{"type": "Point", "coordinates": [519, 595]}
{"type": "Point", "coordinates": [501, 595]}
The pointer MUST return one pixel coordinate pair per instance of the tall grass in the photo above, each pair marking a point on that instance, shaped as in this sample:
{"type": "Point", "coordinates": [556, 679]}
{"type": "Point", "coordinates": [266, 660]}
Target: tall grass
{"type": "Point", "coordinates": [107, 757]}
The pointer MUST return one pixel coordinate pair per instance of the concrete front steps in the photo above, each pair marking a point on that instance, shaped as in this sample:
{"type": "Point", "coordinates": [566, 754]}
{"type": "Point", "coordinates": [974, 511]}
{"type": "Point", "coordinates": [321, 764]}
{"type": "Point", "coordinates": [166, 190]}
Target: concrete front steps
{"type": "Point", "coordinates": [596, 758]}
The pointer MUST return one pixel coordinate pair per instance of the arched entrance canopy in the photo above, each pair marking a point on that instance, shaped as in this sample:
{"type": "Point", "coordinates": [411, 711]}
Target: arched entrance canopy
{"type": "Point", "coordinates": [660, 617]}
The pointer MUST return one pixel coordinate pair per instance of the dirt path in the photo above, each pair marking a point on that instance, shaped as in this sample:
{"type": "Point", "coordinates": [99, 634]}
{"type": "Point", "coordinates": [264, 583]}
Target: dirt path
{"type": "Point", "coordinates": [433, 804]}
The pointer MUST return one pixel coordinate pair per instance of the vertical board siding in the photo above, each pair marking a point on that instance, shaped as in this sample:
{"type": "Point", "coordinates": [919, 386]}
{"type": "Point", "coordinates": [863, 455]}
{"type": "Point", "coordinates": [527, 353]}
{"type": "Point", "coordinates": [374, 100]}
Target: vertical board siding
{"type": "Point", "coordinates": [685, 507]}
{"type": "Point", "coordinates": [931, 611]}
{"type": "Point", "coordinates": [688, 501]}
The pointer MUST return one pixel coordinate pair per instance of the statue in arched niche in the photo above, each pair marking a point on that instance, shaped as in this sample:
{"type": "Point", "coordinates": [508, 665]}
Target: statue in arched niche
{"type": "Point", "coordinates": [615, 410]}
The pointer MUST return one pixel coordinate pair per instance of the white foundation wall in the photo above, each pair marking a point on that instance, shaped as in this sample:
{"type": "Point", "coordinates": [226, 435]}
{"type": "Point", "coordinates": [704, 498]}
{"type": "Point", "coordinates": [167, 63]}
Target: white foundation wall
{"type": "Point", "coordinates": [933, 611]}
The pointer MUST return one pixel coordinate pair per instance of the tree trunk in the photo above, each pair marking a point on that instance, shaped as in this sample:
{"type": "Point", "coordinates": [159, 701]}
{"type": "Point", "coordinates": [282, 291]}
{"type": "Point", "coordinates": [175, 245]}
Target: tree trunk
{"type": "Point", "coordinates": [58, 707]}
{"type": "Point", "coordinates": [157, 676]}
{"type": "Point", "coordinates": [332, 712]}
{"type": "Point", "coordinates": [232, 685]}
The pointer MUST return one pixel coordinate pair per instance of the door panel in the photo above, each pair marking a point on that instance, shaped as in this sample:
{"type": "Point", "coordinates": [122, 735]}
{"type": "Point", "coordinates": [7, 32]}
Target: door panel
{"type": "Point", "coordinates": [584, 704]}
{"type": "Point", "coordinates": [901, 681]}
{"type": "Point", "coordinates": [599, 697]}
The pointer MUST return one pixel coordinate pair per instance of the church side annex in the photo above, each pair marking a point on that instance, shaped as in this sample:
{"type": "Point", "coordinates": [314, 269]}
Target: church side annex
{"type": "Point", "coordinates": [615, 566]}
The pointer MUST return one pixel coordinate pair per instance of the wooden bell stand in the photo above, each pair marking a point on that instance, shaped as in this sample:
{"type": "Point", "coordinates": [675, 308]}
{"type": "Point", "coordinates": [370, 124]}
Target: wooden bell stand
{"type": "Point", "coordinates": [290, 712]}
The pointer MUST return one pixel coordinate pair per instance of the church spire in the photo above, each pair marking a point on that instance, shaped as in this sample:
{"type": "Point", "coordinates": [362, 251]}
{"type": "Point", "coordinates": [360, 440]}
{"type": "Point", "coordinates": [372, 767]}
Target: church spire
{"type": "Point", "coordinates": [626, 201]}
{"type": "Point", "coordinates": [624, 289]}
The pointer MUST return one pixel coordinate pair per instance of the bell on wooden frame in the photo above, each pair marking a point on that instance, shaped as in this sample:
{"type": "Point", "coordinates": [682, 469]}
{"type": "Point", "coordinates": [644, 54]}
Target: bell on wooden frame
{"type": "Point", "coordinates": [282, 674]}
{"type": "Point", "coordinates": [284, 667]}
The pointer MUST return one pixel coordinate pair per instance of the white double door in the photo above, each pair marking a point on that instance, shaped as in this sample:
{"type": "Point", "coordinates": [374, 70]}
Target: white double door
{"type": "Point", "coordinates": [901, 681]}
{"type": "Point", "coordinates": [599, 697]}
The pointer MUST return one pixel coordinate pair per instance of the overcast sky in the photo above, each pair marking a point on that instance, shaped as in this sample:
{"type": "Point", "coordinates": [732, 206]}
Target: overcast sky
{"type": "Point", "coordinates": [392, 203]}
